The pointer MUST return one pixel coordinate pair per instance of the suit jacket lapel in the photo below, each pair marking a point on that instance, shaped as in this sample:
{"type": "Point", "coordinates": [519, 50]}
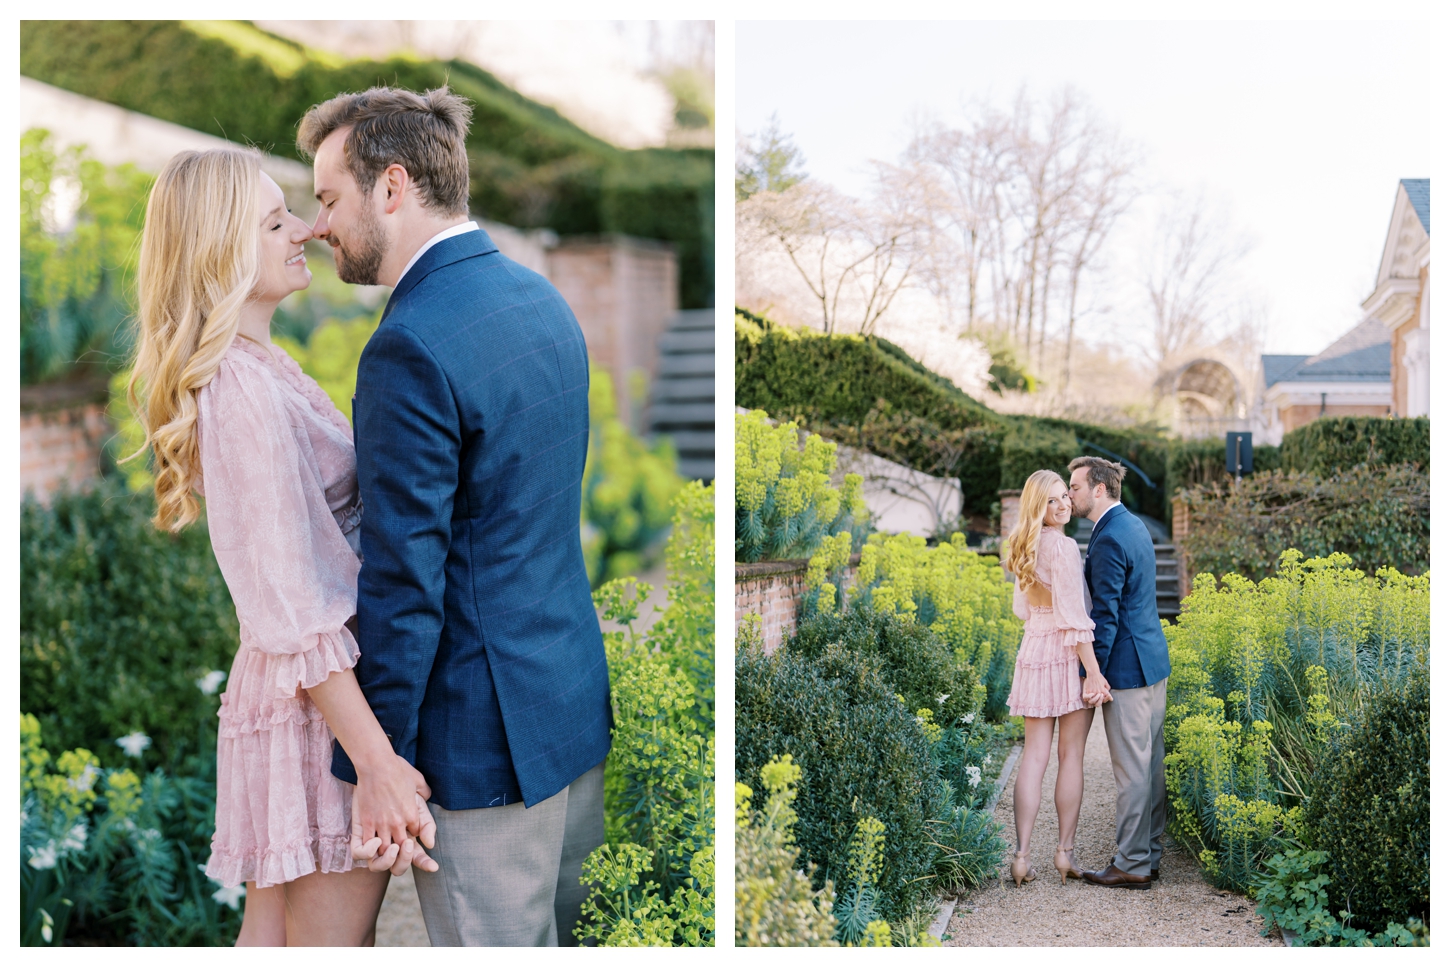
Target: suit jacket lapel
{"type": "Point", "coordinates": [1101, 526]}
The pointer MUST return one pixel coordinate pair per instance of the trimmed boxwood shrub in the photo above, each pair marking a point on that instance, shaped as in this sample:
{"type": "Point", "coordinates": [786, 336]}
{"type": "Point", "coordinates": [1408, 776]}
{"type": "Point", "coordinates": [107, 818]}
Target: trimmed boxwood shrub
{"type": "Point", "coordinates": [1337, 443]}
{"type": "Point", "coordinates": [861, 752]}
{"type": "Point", "coordinates": [1369, 808]}
{"type": "Point", "coordinates": [865, 391]}
{"type": "Point", "coordinates": [118, 624]}
{"type": "Point", "coordinates": [1380, 516]}
{"type": "Point", "coordinates": [529, 166]}
{"type": "Point", "coordinates": [916, 664]}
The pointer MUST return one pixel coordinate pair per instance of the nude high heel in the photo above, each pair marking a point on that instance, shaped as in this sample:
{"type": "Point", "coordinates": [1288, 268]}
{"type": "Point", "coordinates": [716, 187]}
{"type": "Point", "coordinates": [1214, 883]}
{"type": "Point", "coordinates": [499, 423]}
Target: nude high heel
{"type": "Point", "coordinates": [1066, 865]}
{"type": "Point", "coordinates": [1022, 871]}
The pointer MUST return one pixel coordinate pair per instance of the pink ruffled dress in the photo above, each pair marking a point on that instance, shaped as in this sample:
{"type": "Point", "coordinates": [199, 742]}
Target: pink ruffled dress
{"type": "Point", "coordinates": [280, 481]}
{"type": "Point", "coordinates": [1046, 682]}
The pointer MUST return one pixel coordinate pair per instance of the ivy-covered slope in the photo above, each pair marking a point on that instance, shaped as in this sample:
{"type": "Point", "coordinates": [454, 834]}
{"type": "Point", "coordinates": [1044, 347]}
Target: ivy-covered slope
{"type": "Point", "coordinates": [530, 167]}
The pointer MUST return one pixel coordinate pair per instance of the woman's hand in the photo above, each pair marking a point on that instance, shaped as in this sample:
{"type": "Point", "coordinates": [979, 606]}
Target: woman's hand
{"type": "Point", "coordinates": [399, 856]}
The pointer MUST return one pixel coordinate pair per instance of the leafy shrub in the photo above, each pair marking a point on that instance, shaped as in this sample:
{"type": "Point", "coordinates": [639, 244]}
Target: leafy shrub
{"type": "Point", "coordinates": [123, 629]}
{"type": "Point", "coordinates": [857, 923]}
{"type": "Point", "coordinates": [1335, 444]}
{"type": "Point", "coordinates": [1369, 807]}
{"type": "Point", "coordinates": [969, 846]}
{"type": "Point", "coordinates": [654, 877]}
{"type": "Point", "coordinates": [784, 502]}
{"type": "Point", "coordinates": [1292, 896]}
{"type": "Point", "coordinates": [775, 903]}
{"type": "Point", "coordinates": [960, 595]}
{"type": "Point", "coordinates": [1380, 516]}
{"type": "Point", "coordinates": [108, 857]}
{"type": "Point", "coordinates": [861, 751]}
{"type": "Point", "coordinates": [628, 486]}
{"type": "Point", "coordinates": [915, 663]}
{"type": "Point", "coordinates": [1262, 675]}
{"type": "Point", "coordinates": [529, 166]}
{"type": "Point", "coordinates": [74, 279]}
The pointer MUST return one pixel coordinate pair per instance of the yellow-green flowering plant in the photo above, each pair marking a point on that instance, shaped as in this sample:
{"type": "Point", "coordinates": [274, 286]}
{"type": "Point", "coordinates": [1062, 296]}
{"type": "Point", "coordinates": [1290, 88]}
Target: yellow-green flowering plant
{"type": "Point", "coordinates": [785, 504]}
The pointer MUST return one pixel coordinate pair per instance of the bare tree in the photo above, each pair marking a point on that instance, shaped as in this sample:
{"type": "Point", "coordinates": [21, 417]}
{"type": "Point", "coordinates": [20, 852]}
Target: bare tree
{"type": "Point", "coordinates": [853, 256]}
{"type": "Point", "coordinates": [1190, 264]}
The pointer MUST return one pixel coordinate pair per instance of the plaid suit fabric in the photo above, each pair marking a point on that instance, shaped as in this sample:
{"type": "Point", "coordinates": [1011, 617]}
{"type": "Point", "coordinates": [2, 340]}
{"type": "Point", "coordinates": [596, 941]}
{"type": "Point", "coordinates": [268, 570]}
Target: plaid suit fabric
{"type": "Point", "coordinates": [481, 651]}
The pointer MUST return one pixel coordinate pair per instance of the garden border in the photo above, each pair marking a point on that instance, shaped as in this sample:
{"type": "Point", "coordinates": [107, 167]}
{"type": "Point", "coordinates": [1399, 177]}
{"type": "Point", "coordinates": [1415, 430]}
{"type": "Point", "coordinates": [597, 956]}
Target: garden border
{"type": "Point", "coordinates": [949, 906]}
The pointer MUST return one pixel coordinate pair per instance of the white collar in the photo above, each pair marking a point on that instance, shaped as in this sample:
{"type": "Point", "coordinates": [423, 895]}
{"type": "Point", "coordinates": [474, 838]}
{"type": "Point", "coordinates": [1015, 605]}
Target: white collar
{"type": "Point", "coordinates": [446, 233]}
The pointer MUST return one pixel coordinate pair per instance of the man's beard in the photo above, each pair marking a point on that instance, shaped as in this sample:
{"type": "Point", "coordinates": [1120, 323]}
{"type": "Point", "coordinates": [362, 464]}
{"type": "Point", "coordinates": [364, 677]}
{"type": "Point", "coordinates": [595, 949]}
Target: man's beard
{"type": "Point", "coordinates": [358, 261]}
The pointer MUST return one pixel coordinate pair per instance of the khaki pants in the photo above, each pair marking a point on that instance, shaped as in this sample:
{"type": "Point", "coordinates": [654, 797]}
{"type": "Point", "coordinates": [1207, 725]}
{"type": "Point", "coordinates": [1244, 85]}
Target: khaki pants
{"type": "Point", "coordinates": [1133, 722]}
{"type": "Point", "coordinates": [509, 876]}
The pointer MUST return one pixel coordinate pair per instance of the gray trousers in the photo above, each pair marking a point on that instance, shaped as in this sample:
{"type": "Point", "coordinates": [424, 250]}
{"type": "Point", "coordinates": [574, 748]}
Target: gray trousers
{"type": "Point", "coordinates": [1133, 722]}
{"type": "Point", "coordinates": [509, 876]}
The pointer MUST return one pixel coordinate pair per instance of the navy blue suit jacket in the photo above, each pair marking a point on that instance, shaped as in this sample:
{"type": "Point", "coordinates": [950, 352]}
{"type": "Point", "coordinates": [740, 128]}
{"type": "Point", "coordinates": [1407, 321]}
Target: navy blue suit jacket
{"type": "Point", "coordinates": [1122, 576]}
{"type": "Point", "coordinates": [481, 651]}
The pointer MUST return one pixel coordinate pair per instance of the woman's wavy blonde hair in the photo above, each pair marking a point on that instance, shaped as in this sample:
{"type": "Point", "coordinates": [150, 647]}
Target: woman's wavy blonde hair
{"type": "Point", "coordinates": [198, 267]}
{"type": "Point", "coordinates": [1019, 551]}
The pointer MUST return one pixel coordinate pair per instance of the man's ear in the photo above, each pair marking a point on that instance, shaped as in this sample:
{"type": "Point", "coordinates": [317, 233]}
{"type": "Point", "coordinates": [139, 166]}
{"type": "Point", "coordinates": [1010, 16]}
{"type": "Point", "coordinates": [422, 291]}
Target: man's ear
{"type": "Point", "coordinates": [397, 182]}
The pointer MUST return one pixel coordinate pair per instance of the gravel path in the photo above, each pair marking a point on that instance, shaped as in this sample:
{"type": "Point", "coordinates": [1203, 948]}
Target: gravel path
{"type": "Point", "coordinates": [400, 922]}
{"type": "Point", "coordinates": [1182, 909]}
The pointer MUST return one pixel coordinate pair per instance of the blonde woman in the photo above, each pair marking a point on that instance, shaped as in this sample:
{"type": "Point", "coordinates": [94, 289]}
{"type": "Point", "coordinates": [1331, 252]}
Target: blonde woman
{"type": "Point", "coordinates": [231, 417]}
{"type": "Point", "coordinates": [1047, 685]}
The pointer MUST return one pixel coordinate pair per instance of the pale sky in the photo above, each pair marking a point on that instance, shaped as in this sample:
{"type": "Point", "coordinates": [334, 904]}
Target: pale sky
{"type": "Point", "coordinates": [1301, 130]}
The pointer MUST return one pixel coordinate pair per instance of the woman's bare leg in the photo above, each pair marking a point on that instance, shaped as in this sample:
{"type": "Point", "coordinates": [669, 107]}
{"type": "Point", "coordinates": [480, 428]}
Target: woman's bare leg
{"type": "Point", "coordinates": [335, 909]}
{"type": "Point", "coordinates": [1027, 792]}
{"type": "Point", "coordinates": [1071, 742]}
{"type": "Point", "coordinates": [264, 919]}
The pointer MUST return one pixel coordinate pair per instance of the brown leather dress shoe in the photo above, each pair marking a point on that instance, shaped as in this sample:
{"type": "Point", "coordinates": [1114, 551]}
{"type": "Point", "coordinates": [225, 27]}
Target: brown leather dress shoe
{"type": "Point", "coordinates": [1153, 875]}
{"type": "Point", "coordinates": [1114, 877]}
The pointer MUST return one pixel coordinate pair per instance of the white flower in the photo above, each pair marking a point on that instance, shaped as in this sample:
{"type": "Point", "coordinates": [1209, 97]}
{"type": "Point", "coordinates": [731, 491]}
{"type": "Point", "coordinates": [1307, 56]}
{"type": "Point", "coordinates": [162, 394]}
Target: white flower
{"type": "Point", "coordinates": [974, 776]}
{"type": "Point", "coordinates": [47, 927]}
{"type": "Point", "coordinates": [987, 761]}
{"type": "Point", "coordinates": [229, 895]}
{"type": "Point", "coordinates": [967, 719]}
{"type": "Point", "coordinates": [941, 699]}
{"type": "Point", "coordinates": [75, 839]}
{"type": "Point", "coordinates": [210, 682]}
{"type": "Point", "coordinates": [135, 743]}
{"type": "Point", "coordinates": [86, 780]}
{"type": "Point", "coordinates": [43, 858]}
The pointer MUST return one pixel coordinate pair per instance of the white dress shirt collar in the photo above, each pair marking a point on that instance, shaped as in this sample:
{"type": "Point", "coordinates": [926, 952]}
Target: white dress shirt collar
{"type": "Point", "coordinates": [446, 233]}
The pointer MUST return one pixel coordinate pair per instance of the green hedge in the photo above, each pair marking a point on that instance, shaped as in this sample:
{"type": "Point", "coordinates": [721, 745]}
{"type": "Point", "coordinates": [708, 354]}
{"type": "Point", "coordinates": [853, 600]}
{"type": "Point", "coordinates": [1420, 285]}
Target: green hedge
{"type": "Point", "coordinates": [1369, 808]}
{"type": "Point", "coordinates": [530, 166]}
{"type": "Point", "coordinates": [865, 391]}
{"type": "Point", "coordinates": [1380, 516]}
{"type": "Point", "coordinates": [1195, 462]}
{"type": "Point", "coordinates": [119, 626]}
{"type": "Point", "coordinates": [861, 752]}
{"type": "Point", "coordinates": [1337, 443]}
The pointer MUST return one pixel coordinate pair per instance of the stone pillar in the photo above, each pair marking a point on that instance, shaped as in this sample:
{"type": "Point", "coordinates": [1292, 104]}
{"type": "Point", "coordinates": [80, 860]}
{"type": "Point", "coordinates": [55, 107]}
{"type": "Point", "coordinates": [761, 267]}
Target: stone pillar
{"type": "Point", "coordinates": [1011, 508]}
{"type": "Point", "coordinates": [63, 432]}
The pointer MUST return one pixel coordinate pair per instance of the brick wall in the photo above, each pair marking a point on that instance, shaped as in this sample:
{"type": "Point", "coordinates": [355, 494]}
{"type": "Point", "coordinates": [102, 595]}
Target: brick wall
{"type": "Point", "coordinates": [1011, 508]}
{"type": "Point", "coordinates": [623, 292]}
{"type": "Point", "coordinates": [61, 447]}
{"type": "Point", "coordinates": [774, 590]}
{"type": "Point", "coordinates": [1181, 527]}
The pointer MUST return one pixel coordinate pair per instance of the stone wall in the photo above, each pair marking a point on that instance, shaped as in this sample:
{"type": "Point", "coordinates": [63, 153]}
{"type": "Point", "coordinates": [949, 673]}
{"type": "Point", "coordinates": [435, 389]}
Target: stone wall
{"type": "Point", "coordinates": [775, 590]}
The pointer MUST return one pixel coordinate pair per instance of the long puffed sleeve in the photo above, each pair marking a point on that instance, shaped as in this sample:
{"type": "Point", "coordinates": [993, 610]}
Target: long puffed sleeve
{"type": "Point", "coordinates": [291, 573]}
{"type": "Point", "coordinates": [1064, 568]}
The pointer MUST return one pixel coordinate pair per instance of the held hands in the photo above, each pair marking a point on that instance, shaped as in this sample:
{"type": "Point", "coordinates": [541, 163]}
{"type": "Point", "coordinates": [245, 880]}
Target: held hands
{"type": "Point", "coordinates": [1096, 690]}
{"type": "Point", "coordinates": [388, 812]}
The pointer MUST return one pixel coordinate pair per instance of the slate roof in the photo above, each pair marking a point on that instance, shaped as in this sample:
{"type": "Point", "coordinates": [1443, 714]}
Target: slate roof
{"type": "Point", "coordinates": [1419, 191]}
{"type": "Point", "coordinates": [1361, 355]}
